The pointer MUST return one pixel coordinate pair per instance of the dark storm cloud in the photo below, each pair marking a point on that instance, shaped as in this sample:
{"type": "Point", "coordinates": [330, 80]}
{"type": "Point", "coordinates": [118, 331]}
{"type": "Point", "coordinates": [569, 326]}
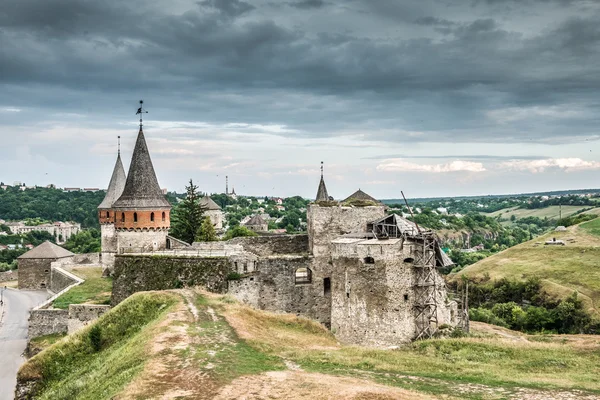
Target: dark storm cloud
{"type": "Point", "coordinates": [308, 4]}
{"type": "Point", "coordinates": [374, 78]}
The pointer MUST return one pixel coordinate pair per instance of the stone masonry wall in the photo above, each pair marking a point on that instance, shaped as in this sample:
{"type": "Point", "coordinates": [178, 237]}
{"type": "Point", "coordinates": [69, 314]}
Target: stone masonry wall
{"type": "Point", "coordinates": [136, 273]}
{"type": "Point", "coordinates": [34, 274]}
{"type": "Point", "coordinates": [138, 242]}
{"type": "Point", "coordinates": [327, 223]}
{"type": "Point", "coordinates": [273, 245]}
{"type": "Point", "coordinates": [7, 276]}
{"type": "Point", "coordinates": [81, 315]}
{"type": "Point", "coordinates": [272, 287]}
{"type": "Point", "coordinates": [45, 322]}
{"type": "Point", "coordinates": [59, 280]}
{"type": "Point", "coordinates": [373, 304]}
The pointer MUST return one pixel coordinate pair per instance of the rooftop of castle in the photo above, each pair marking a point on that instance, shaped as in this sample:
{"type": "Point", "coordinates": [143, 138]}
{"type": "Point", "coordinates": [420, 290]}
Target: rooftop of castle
{"type": "Point", "coordinates": [141, 187]}
{"type": "Point", "coordinates": [116, 185]}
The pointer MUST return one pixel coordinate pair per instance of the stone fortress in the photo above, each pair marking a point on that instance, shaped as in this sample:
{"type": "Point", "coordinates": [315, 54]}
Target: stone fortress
{"type": "Point", "coordinates": [372, 278]}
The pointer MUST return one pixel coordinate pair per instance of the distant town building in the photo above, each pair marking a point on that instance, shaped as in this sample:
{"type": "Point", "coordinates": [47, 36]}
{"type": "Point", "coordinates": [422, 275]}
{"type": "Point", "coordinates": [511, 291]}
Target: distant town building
{"type": "Point", "coordinates": [257, 224]}
{"type": "Point", "coordinates": [213, 211]}
{"type": "Point", "coordinates": [61, 231]}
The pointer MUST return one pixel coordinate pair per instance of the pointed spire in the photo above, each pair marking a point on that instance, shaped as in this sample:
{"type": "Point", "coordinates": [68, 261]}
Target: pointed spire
{"type": "Point", "coordinates": [141, 188]}
{"type": "Point", "coordinates": [116, 185]}
{"type": "Point", "coordinates": [322, 194]}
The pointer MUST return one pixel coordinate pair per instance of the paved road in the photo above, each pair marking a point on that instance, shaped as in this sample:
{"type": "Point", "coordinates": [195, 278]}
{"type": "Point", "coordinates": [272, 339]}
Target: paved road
{"type": "Point", "coordinates": [13, 335]}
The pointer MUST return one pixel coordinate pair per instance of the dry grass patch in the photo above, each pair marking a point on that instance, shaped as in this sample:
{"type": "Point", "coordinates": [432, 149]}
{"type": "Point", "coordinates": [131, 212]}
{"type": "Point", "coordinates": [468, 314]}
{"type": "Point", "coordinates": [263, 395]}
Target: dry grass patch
{"type": "Point", "coordinates": [278, 331]}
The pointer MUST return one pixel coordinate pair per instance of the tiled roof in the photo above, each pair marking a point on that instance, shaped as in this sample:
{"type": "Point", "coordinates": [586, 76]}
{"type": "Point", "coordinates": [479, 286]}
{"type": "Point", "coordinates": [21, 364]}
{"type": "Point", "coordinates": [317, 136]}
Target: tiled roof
{"type": "Point", "coordinates": [47, 250]}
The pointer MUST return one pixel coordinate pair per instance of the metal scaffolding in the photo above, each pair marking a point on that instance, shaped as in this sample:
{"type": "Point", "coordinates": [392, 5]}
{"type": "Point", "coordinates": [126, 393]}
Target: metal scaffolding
{"type": "Point", "coordinates": [426, 286]}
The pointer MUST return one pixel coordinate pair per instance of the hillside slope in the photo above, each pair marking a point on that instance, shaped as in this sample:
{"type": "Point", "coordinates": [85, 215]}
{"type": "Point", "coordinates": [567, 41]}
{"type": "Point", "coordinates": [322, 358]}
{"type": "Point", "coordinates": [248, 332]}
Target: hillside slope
{"type": "Point", "coordinates": [198, 345]}
{"type": "Point", "coordinates": [563, 269]}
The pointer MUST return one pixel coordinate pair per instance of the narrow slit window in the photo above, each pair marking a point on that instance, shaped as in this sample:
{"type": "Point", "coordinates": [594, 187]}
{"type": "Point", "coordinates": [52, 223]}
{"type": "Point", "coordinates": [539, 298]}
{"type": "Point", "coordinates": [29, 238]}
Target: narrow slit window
{"type": "Point", "coordinates": [163, 217]}
{"type": "Point", "coordinates": [134, 217]}
{"type": "Point", "coordinates": [152, 217]}
{"type": "Point", "coordinates": [326, 286]}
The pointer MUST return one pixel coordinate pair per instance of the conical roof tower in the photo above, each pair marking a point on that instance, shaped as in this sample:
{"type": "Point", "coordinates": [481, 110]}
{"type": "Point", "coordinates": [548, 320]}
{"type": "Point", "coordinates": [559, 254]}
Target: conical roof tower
{"type": "Point", "coordinates": [322, 194]}
{"type": "Point", "coordinates": [141, 187]}
{"type": "Point", "coordinates": [116, 185]}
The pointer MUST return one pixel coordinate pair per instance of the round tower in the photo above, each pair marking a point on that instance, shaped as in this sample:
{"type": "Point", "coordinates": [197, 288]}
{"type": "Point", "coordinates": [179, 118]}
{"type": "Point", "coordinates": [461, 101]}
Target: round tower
{"type": "Point", "coordinates": [106, 214]}
{"type": "Point", "coordinates": [142, 213]}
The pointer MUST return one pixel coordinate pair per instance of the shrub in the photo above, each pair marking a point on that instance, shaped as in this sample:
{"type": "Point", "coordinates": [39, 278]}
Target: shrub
{"type": "Point", "coordinates": [95, 336]}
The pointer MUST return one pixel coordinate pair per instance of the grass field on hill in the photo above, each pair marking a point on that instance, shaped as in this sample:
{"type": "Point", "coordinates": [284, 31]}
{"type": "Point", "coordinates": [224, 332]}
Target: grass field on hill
{"type": "Point", "coordinates": [73, 369]}
{"type": "Point", "coordinates": [563, 269]}
{"type": "Point", "coordinates": [551, 212]}
{"type": "Point", "coordinates": [191, 344]}
{"type": "Point", "coordinates": [95, 289]}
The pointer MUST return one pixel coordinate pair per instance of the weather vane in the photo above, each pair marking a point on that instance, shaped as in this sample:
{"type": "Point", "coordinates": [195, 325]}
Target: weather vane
{"type": "Point", "coordinates": [141, 111]}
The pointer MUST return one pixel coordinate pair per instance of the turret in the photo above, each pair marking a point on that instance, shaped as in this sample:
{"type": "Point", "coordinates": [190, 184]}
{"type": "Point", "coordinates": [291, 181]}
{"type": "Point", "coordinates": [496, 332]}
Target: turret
{"type": "Point", "coordinates": [142, 211]}
{"type": "Point", "coordinates": [106, 213]}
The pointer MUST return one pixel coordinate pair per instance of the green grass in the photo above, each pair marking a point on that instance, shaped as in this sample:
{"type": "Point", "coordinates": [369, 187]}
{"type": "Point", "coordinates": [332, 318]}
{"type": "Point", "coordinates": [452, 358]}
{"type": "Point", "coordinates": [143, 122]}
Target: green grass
{"type": "Point", "coordinates": [592, 227]}
{"type": "Point", "coordinates": [562, 269]}
{"type": "Point", "coordinates": [71, 369]}
{"type": "Point", "coordinates": [227, 362]}
{"type": "Point", "coordinates": [435, 366]}
{"type": "Point", "coordinates": [551, 212]}
{"type": "Point", "coordinates": [95, 289]}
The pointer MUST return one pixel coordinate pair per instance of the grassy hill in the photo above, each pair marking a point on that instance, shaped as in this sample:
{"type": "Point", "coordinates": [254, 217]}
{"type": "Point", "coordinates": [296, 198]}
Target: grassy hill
{"type": "Point", "coordinates": [563, 269]}
{"type": "Point", "coordinates": [551, 212]}
{"type": "Point", "coordinates": [192, 344]}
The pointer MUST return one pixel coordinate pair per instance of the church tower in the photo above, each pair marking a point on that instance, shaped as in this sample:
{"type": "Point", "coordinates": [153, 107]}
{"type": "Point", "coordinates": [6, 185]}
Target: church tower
{"type": "Point", "coordinates": [106, 214]}
{"type": "Point", "coordinates": [142, 211]}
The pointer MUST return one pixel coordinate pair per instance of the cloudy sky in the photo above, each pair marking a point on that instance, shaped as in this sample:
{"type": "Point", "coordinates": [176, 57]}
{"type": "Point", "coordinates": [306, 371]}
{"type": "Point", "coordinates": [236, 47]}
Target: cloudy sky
{"type": "Point", "coordinates": [436, 98]}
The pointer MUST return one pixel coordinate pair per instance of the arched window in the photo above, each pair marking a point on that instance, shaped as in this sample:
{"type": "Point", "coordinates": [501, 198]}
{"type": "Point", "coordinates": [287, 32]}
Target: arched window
{"type": "Point", "coordinates": [303, 275]}
{"type": "Point", "coordinates": [134, 217]}
{"type": "Point", "coordinates": [163, 216]}
{"type": "Point", "coordinates": [369, 260]}
{"type": "Point", "coordinates": [152, 217]}
{"type": "Point", "coordinates": [122, 217]}
{"type": "Point", "coordinates": [108, 214]}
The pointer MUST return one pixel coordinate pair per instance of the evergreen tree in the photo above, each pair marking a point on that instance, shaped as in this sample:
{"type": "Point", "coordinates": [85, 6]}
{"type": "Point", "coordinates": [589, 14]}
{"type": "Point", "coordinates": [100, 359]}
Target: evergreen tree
{"type": "Point", "coordinates": [187, 216]}
{"type": "Point", "coordinates": [207, 232]}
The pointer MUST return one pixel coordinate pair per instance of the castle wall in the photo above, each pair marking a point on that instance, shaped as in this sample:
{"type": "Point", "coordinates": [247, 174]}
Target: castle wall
{"type": "Point", "coordinates": [273, 245]}
{"type": "Point", "coordinates": [45, 322]}
{"type": "Point", "coordinates": [373, 304]}
{"type": "Point", "coordinates": [60, 279]}
{"type": "Point", "coordinates": [34, 273]}
{"type": "Point", "coordinates": [137, 273]}
{"type": "Point", "coordinates": [141, 241]}
{"type": "Point", "coordinates": [108, 237]}
{"type": "Point", "coordinates": [327, 223]}
{"type": "Point", "coordinates": [373, 300]}
{"type": "Point", "coordinates": [272, 287]}
{"type": "Point", "coordinates": [81, 315]}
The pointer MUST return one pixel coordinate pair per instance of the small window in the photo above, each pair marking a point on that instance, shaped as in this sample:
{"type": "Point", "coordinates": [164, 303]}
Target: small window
{"type": "Point", "coordinates": [134, 217]}
{"type": "Point", "coordinates": [409, 260]}
{"type": "Point", "coordinates": [108, 214]}
{"type": "Point", "coordinates": [152, 217]}
{"type": "Point", "coordinates": [235, 264]}
{"type": "Point", "coordinates": [303, 275]}
{"type": "Point", "coordinates": [164, 216]}
{"type": "Point", "coordinates": [405, 297]}
{"type": "Point", "coordinates": [46, 271]}
{"type": "Point", "coordinates": [245, 267]}
{"type": "Point", "coordinates": [122, 217]}
{"type": "Point", "coordinates": [369, 260]}
{"type": "Point", "coordinates": [326, 286]}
